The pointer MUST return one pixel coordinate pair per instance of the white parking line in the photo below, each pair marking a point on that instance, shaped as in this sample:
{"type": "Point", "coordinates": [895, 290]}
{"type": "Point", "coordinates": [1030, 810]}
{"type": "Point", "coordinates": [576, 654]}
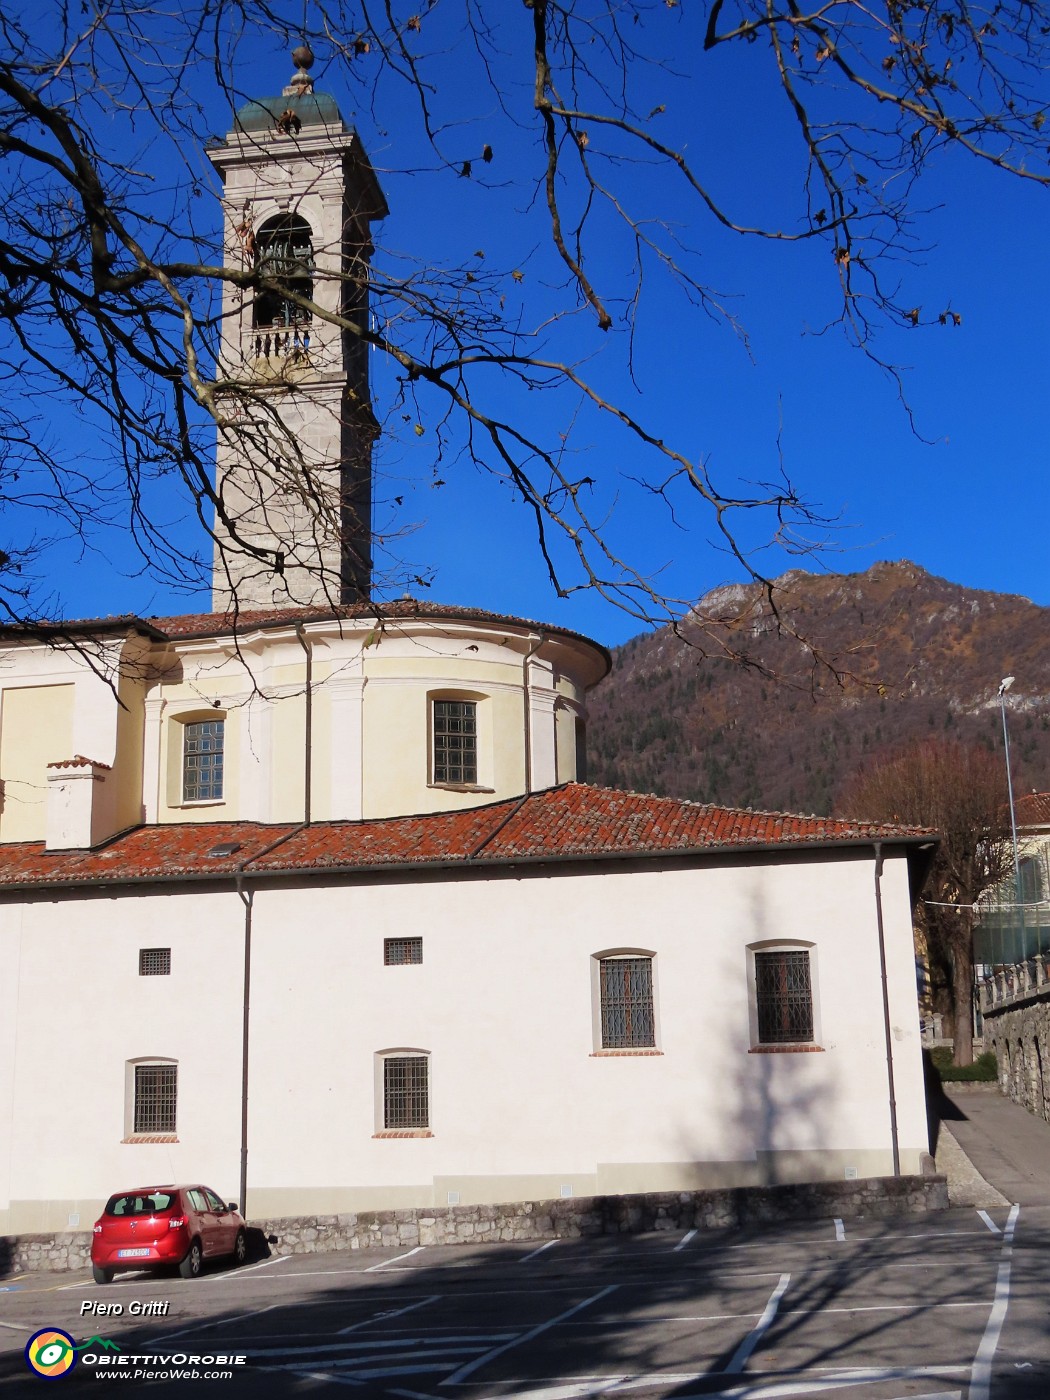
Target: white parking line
{"type": "Point", "coordinates": [760, 1328]}
{"type": "Point", "coordinates": [194, 1327]}
{"type": "Point", "coordinates": [537, 1251]}
{"type": "Point", "coordinates": [803, 1383]}
{"type": "Point", "coordinates": [683, 1241]}
{"type": "Point", "coordinates": [396, 1259]}
{"type": "Point", "coordinates": [249, 1268]}
{"type": "Point", "coordinates": [981, 1372]}
{"type": "Point", "coordinates": [989, 1222]}
{"type": "Point", "coordinates": [386, 1316]}
{"type": "Point", "coordinates": [840, 1229]}
{"type": "Point", "coordinates": [479, 1361]}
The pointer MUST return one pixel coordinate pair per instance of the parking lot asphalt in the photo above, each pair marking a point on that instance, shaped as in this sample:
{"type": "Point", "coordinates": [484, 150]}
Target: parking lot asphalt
{"type": "Point", "coordinates": [951, 1306]}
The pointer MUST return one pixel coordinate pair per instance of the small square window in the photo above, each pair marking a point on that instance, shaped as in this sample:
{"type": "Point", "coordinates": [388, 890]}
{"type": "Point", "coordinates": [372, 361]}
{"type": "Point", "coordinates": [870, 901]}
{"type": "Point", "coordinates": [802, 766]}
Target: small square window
{"type": "Point", "coordinates": [156, 1095]}
{"type": "Point", "coordinates": [397, 951]}
{"type": "Point", "coordinates": [784, 997]}
{"type": "Point", "coordinates": [455, 741]}
{"type": "Point", "coordinates": [154, 962]}
{"type": "Point", "coordinates": [406, 1092]}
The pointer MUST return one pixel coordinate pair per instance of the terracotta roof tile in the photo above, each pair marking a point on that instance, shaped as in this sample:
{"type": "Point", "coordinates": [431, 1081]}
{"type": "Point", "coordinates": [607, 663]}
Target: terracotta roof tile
{"type": "Point", "coordinates": [79, 761]}
{"type": "Point", "coordinates": [1033, 809]}
{"type": "Point", "coordinates": [192, 625]}
{"type": "Point", "coordinates": [573, 821]}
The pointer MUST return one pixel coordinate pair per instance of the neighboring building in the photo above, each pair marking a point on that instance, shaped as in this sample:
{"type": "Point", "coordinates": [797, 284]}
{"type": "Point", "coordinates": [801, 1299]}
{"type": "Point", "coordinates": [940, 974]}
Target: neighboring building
{"type": "Point", "coordinates": [1014, 919]}
{"type": "Point", "coordinates": [307, 893]}
{"type": "Point", "coordinates": [1012, 942]}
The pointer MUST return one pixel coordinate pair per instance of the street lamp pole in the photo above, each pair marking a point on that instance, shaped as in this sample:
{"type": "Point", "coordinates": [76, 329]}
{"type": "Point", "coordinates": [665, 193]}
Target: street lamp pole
{"type": "Point", "coordinates": [1004, 686]}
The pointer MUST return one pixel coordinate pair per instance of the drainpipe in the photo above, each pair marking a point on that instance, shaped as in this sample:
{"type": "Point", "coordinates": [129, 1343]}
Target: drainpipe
{"type": "Point", "coordinates": [886, 1010]}
{"type": "Point", "coordinates": [525, 692]}
{"type": "Point", "coordinates": [309, 696]}
{"type": "Point", "coordinates": [247, 898]}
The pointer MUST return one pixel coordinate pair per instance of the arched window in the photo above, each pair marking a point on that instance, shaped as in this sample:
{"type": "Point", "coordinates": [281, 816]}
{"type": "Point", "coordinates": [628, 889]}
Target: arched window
{"type": "Point", "coordinates": [284, 253]}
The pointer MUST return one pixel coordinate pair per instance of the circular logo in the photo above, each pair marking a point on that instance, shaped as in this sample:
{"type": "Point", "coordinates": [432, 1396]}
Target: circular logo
{"type": "Point", "coordinates": [51, 1353]}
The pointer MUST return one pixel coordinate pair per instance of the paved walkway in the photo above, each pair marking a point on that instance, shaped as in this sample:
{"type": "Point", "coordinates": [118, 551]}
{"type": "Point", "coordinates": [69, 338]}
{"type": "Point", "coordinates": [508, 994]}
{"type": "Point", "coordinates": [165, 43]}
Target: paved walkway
{"type": "Point", "coordinates": [1008, 1146]}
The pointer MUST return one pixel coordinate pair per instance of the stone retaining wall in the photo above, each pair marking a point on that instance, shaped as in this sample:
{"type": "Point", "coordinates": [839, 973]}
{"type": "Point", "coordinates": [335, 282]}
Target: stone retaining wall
{"type": "Point", "coordinates": [575, 1218]}
{"type": "Point", "coordinates": [1020, 1037]}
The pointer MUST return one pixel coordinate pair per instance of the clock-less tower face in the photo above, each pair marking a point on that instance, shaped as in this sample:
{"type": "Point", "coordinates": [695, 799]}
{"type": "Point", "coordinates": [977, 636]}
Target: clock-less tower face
{"type": "Point", "coordinates": [295, 435]}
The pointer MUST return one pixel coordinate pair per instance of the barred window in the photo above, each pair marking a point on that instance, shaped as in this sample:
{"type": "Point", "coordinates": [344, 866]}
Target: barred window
{"type": "Point", "coordinates": [156, 1094]}
{"type": "Point", "coordinates": [455, 741]}
{"type": "Point", "coordinates": [406, 1093]}
{"type": "Point", "coordinates": [397, 951]}
{"type": "Point", "coordinates": [202, 755]}
{"type": "Point", "coordinates": [154, 962]}
{"type": "Point", "coordinates": [626, 986]}
{"type": "Point", "coordinates": [784, 997]}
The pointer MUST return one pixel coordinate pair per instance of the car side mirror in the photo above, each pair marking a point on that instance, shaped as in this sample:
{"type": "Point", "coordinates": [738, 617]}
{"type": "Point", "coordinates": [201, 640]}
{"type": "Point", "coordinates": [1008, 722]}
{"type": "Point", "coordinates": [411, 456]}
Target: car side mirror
{"type": "Point", "coordinates": [232, 1205]}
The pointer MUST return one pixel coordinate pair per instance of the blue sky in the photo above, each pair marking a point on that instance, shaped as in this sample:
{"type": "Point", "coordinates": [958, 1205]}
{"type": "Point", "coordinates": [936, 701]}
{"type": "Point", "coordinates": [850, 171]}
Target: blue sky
{"type": "Point", "coordinates": [970, 502]}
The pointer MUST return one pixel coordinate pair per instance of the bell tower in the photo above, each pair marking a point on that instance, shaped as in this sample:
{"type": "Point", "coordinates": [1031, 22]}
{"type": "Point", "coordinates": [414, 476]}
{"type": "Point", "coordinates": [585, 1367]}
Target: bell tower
{"type": "Point", "coordinates": [296, 428]}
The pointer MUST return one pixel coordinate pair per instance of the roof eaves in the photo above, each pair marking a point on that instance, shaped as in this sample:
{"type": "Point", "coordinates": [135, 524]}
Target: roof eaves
{"type": "Point", "coordinates": [912, 844]}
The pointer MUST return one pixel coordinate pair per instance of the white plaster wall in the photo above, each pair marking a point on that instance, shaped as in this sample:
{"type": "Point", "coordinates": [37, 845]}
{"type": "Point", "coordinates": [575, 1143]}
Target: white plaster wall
{"type": "Point", "coordinates": [502, 1002]}
{"type": "Point", "coordinates": [84, 1011]}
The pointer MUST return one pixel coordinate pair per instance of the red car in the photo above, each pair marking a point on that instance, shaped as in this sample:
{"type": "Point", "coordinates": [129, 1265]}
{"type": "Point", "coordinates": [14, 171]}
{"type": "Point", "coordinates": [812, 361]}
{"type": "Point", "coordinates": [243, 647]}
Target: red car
{"type": "Point", "coordinates": [157, 1225]}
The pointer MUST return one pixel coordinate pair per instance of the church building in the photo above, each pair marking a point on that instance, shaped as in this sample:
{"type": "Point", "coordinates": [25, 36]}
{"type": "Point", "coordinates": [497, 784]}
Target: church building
{"type": "Point", "coordinates": [307, 896]}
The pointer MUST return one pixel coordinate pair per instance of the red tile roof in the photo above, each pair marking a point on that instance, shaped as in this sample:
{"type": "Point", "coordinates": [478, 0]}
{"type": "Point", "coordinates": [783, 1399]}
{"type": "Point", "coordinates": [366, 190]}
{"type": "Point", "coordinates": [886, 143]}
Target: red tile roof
{"type": "Point", "coordinates": [245, 619]}
{"type": "Point", "coordinates": [1033, 809]}
{"type": "Point", "coordinates": [569, 822]}
{"type": "Point", "coordinates": [79, 761]}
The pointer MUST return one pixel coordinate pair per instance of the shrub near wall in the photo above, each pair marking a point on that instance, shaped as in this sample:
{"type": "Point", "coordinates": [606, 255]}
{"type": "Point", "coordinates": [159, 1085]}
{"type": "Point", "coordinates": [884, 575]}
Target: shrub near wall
{"type": "Point", "coordinates": [580, 1217]}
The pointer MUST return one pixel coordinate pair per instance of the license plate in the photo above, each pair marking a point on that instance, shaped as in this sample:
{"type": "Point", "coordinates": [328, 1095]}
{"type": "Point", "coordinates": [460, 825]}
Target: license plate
{"type": "Point", "coordinates": [132, 1253]}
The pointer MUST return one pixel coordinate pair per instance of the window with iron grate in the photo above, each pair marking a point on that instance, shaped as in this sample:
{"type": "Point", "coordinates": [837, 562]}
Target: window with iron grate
{"type": "Point", "coordinates": [406, 1092]}
{"type": "Point", "coordinates": [156, 1098]}
{"type": "Point", "coordinates": [455, 728]}
{"type": "Point", "coordinates": [202, 760]}
{"type": "Point", "coordinates": [626, 990]}
{"type": "Point", "coordinates": [154, 962]}
{"type": "Point", "coordinates": [784, 997]}
{"type": "Point", "coordinates": [398, 951]}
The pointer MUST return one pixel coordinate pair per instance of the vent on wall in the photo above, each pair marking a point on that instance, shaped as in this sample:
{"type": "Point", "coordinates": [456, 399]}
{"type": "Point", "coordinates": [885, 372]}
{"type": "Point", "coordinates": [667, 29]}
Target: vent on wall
{"type": "Point", "coordinates": [154, 962]}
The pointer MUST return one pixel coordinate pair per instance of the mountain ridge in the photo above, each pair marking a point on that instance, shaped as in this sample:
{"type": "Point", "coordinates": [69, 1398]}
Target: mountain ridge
{"type": "Point", "coordinates": [893, 654]}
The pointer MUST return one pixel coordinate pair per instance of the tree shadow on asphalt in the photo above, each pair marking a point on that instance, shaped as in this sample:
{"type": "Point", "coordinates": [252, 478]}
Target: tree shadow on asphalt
{"type": "Point", "coordinates": [491, 1291]}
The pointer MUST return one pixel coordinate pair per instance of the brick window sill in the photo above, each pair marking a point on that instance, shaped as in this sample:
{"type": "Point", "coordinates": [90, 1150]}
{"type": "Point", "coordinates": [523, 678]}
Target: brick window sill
{"type": "Point", "coordinates": [150, 1137]}
{"type": "Point", "coordinates": [786, 1050]}
{"type": "Point", "coordinates": [403, 1133]}
{"type": "Point", "coordinates": [609, 1054]}
{"type": "Point", "coordinates": [461, 787]}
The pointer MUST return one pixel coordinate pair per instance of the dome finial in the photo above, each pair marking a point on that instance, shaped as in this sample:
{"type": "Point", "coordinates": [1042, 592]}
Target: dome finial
{"type": "Point", "coordinates": [303, 58]}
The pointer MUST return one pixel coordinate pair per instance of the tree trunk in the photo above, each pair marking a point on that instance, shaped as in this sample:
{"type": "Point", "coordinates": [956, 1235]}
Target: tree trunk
{"type": "Point", "coordinates": [962, 993]}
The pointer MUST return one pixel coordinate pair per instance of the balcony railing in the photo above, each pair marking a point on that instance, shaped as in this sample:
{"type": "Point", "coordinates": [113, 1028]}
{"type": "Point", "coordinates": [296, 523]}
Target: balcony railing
{"type": "Point", "coordinates": [1016, 982]}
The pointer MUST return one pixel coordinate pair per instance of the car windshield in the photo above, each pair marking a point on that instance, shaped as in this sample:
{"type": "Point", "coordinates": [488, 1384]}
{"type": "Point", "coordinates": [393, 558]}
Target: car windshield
{"type": "Point", "coordinates": [140, 1203]}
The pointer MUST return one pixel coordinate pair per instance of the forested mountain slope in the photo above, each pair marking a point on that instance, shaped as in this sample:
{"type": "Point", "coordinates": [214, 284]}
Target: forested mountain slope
{"type": "Point", "coordinates": [901, 655]}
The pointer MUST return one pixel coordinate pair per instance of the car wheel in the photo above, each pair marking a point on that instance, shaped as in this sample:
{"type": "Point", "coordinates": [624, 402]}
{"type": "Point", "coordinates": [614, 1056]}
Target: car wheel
{"type": "Point", "coordinates": [101, 1275]}
{"type": "Point", "coordinates": [191, 1265]}
{"type": "Point", "coordinates": [240, 1248]}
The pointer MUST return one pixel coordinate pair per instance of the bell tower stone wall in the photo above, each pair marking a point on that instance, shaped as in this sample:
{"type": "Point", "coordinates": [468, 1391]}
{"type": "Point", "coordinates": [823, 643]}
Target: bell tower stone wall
{"type": "Point", "coordinates": [295, 429]}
